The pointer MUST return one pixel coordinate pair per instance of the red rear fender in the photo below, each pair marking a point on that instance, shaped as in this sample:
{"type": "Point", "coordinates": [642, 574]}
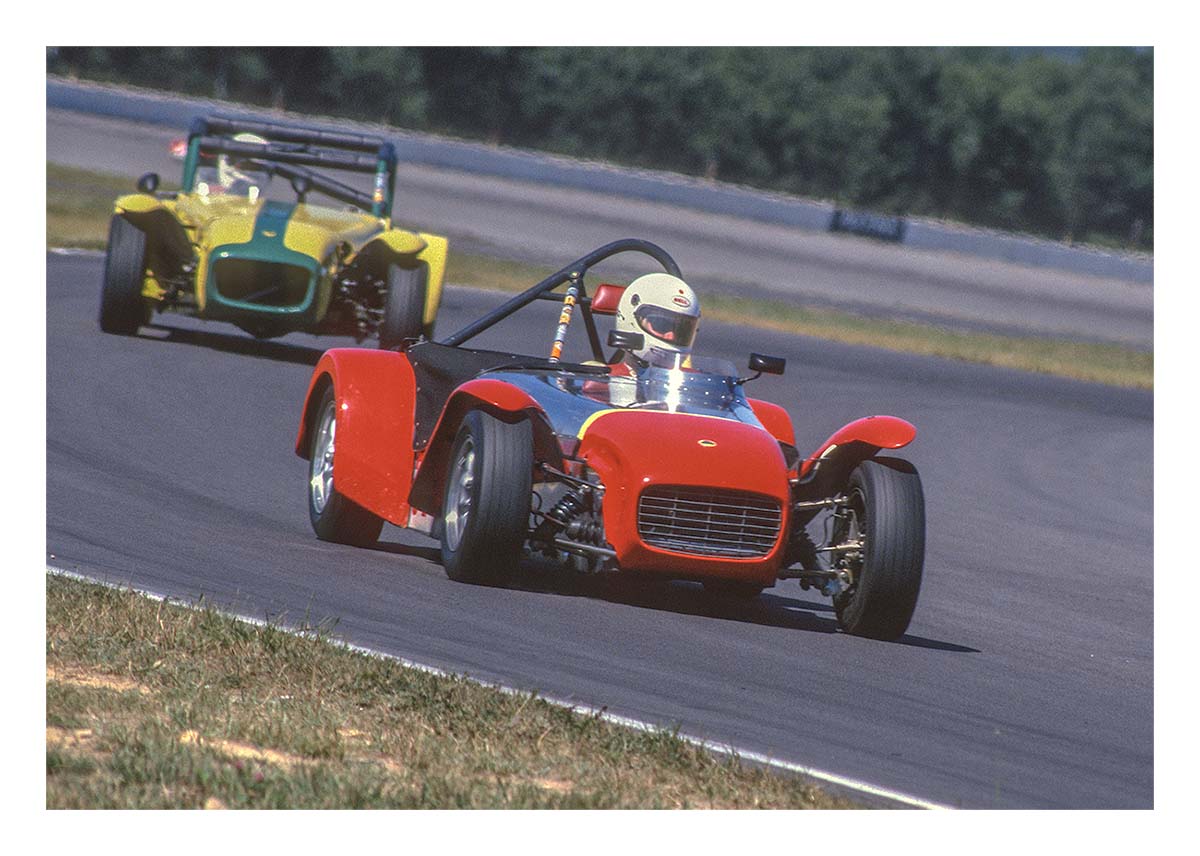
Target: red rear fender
{"type": "Point", "coordinates": [374, 392]}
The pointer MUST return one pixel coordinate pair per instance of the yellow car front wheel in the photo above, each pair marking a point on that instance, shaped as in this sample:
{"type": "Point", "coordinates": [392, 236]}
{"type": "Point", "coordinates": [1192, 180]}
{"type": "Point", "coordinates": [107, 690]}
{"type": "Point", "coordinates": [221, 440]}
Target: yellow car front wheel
{"type": "Point", "coordinates": [122, 308]}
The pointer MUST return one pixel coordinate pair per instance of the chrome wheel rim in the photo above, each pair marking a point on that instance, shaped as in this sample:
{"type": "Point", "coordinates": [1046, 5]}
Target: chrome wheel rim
{"type": "Point", "coordinates": [320, 481]}
{"type": "Point", "coordinates": [856, 534]}
{"type": "Point", "coordinates": [459, 492]}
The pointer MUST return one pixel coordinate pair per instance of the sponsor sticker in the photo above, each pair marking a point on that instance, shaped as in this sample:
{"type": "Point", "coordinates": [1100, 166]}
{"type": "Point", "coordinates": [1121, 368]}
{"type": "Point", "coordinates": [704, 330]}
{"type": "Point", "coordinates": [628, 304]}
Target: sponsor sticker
{"type": "Point", "coordinates": [680, 300]}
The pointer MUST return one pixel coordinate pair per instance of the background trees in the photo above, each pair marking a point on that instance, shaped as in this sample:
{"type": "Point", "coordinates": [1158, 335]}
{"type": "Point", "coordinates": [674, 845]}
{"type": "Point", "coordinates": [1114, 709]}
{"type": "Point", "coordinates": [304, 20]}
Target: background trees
{"type": "Point", "coordinates": [1057, 142]}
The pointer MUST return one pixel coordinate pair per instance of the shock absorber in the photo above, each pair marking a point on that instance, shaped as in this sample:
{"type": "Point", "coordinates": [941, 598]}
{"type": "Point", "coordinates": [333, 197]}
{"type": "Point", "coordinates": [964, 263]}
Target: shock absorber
{"type": "Point", "coordinates": [565, 510]}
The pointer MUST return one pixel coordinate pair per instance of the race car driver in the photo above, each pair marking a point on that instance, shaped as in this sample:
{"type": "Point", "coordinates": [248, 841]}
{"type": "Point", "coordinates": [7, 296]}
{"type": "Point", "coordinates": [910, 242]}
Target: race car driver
{"type": "Point", "coordinates": [666, 312]}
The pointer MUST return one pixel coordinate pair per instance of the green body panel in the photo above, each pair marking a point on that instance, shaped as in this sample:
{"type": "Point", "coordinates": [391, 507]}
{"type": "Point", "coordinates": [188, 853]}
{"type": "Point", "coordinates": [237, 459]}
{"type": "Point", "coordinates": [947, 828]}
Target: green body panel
{"type": "Point", "coordinates": [267, 245]}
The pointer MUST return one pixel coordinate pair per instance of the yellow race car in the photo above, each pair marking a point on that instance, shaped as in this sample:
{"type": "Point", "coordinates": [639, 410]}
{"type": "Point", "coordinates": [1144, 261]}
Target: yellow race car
{"type": "Point", "coordinates": [241, 243]}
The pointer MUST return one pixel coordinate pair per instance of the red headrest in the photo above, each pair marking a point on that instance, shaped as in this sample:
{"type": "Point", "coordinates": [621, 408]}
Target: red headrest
{"type": "Point", "coordinates": [606, 298]}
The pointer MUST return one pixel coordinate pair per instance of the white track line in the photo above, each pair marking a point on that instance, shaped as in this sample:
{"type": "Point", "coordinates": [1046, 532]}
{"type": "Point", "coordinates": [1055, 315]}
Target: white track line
{"type": "Point", "coordinates": [585, 710]}
{"type": "Point", "coordinates": [74, 251]}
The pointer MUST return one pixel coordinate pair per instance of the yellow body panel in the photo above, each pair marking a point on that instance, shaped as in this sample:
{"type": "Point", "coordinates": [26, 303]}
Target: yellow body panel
{"type": "Point", "coordinates": [220, 220]}
{"type": "Point", "coordinates": [316, 231]}
{"type": "Point", "coordinates": [332, 237]}
{"type": "Point", "coordinates": [436, 250]}
{"type": "Point", "coordinates": [138, 203]}
{"type": "Point", "coordinates": [403, 243]}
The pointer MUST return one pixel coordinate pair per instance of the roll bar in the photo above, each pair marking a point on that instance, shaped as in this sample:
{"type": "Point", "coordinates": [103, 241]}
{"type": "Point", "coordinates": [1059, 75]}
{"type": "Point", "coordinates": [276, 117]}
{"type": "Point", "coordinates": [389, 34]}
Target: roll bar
{"type": "Point", "coordinates": [222, 125]}
{"type": "Point", "coordinates": [300, 146]}
{"type": "Point", "coordinates": [297, 153]}
{"type": "Point", "coordinates": [331, 187]}
{"type": "Point", "coordinates": [575, 270]}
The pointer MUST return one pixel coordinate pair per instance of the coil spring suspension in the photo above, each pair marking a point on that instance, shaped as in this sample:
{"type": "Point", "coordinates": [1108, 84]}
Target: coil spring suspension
{"type": "Point", "coordinates": [564, 511]}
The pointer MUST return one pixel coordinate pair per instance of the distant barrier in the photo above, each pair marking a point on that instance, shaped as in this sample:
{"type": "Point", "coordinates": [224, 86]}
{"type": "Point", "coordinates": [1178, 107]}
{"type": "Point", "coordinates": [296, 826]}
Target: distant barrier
{"type": "Point", "coordinates": [879, 226]}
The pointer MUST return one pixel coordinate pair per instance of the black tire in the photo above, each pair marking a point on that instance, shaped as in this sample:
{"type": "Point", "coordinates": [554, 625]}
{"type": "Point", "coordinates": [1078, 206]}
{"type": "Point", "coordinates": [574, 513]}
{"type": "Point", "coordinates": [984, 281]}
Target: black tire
{"type": "Point", "coordinates": [886, 496]}
{"type": "Point", "coordinates": [333, 516]}
{"type": "Point", "coordinates": [485, 510]}
{"type": "Point", "coordinates": [403, 305]}
{"type": "Point", "coordinates": [733, 589]}
{"type": "Point", "coordinates": [122, 308]}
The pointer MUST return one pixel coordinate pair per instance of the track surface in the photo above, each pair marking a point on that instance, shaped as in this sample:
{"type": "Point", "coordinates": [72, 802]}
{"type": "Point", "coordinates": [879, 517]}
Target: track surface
{"type": "Point", "coordinates": [547, 225]}
{"type": "Point", "coordinates": [1025, 680]}
{"type": "Point", "coordinates": [176, 112]}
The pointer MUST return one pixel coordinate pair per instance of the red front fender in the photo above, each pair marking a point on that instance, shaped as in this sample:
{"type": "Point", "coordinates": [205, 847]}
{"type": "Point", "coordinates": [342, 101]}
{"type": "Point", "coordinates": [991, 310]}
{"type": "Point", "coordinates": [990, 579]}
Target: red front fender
{"type": "Point", "coordinates": [775, 419]}
{"type": "Point", "coordinates": [872, 432]}
{"type": "Point", "coordinates": [374, 393]}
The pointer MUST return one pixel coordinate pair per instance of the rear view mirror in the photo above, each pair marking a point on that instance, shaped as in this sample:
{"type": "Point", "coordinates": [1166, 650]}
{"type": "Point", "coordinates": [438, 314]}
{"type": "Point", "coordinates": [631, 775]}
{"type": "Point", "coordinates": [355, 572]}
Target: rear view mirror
{"type": "Point", "coordinates": [301, 185]}
{"type": "Point", "coordinates": [626, 340]}
{"type": "Point", "coordinates": [148, 183]}
{"type": "Point", "coordinates": [767, 365]}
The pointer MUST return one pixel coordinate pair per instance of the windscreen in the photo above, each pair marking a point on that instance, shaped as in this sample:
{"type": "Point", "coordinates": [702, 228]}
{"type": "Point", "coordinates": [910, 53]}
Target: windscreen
{"type": "Point", "coordinates": [672, 383]}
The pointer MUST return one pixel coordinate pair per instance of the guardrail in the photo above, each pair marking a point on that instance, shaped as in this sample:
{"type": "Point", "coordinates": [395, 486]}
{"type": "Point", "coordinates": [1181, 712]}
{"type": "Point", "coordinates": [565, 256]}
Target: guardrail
{"type": "Point", "coordinates": [731, 200]}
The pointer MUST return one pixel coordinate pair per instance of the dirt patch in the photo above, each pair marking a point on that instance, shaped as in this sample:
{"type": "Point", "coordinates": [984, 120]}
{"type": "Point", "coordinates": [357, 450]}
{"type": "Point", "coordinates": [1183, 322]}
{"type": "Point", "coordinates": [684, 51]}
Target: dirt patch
{"type": "Point", "coordinates": [556, 785]}
{"type": "Point", "coordinates": [68, 738]}
{"type": "Point", "coordinates": [94, 680]}
{"type": "Point", "coordinates": [243, 751]}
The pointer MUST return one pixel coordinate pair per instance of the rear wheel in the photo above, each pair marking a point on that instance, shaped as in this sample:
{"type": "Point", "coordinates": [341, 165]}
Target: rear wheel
{"type": "Point", "coordinates": [122, 308]}
{"type": "Point", "coordinates": [884, 525]}
{"type": "Point", "coordinates": [333, 516]}
{"type": "Point", "coordinates": [403, 305]}
{"type": "Point", "coordinates": [489, 488]}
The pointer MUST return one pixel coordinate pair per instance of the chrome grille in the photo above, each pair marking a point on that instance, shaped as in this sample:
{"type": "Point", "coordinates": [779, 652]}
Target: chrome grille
{"type": "Point", "coordinates": [707, 522]}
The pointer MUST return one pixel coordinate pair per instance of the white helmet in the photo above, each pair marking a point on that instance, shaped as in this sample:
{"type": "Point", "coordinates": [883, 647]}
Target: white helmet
{"type": "Point", "coordinates": [664, 309]}
{"type": "Point", "coordinates": [230, 172]}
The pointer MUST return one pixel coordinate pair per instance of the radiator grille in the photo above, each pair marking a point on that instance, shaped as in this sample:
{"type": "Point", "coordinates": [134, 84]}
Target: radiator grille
{"type": "Point", "coordinates": [707, 522]}
{"type": "Point", "coordinates": [267, 284]}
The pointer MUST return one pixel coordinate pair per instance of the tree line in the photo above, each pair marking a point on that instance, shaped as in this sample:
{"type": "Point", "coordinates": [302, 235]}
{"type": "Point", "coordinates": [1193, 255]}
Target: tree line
{"type": "Point", "coordinates": [1057, 143]}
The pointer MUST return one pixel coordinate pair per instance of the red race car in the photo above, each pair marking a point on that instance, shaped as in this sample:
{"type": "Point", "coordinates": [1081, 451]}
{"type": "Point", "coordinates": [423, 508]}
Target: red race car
{"type": "Point", "coordinates": [652, 461]}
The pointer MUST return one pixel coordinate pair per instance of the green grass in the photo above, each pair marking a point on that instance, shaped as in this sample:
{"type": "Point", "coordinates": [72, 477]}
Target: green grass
{"type": "Point", "coordinates": [150, 705]}
{"type": "Point", "coordinates": [1110, 364]}
{"type": "Point", "coordinates": [79, 204]}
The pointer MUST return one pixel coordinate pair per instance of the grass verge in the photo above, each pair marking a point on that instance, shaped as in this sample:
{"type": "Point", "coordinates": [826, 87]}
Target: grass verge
{"type": "Point", "coordinates": [79, 203]}
{"type": "Point", "coordinates": [152, 705]}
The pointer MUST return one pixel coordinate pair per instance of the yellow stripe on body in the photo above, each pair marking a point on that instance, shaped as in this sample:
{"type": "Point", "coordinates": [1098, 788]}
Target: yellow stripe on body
{"type": "Point", "coordinates": [587, 423]}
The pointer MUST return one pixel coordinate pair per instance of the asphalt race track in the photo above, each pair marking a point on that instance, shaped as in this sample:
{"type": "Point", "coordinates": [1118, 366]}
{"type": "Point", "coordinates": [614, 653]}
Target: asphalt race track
{"type": "Point", "coordinates": [176, 111]}
{"type": "Point", "coordinates": [550, 225]}
{"type": "Point", "coordinates": [1026, 676]}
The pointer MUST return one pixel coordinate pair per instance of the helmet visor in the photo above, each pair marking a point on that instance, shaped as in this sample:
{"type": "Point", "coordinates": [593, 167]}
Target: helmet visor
{"type": "Point", "coordinates": [672, 327]}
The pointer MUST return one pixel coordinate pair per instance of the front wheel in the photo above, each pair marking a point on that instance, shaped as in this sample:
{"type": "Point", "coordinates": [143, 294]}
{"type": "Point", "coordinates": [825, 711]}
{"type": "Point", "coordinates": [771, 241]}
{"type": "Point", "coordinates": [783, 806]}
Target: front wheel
{"type": "Point", "coordinates": [489, 489]}
{"type": "Point", "coordinates": [122, 308]}
{"type": "Point", "coordinates": [403, 305]}
{"type": "Point", "coordinates": [883, 529]}
{"type": "Point", "coordinates": [333, 516]}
